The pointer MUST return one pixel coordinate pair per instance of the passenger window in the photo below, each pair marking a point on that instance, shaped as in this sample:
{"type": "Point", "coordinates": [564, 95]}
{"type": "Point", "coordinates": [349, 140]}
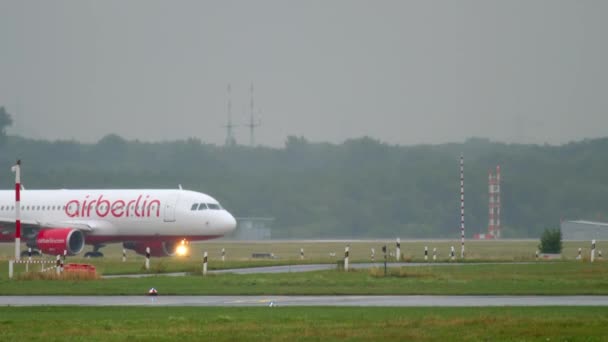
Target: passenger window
{"type": "Point", "coordinates": [202, 206]}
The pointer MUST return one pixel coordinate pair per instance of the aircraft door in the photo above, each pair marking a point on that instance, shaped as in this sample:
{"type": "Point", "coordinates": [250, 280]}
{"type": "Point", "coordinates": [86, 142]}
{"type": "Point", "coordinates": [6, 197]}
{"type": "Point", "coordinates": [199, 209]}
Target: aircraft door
{"type": "Point", "coordinates": [169, 208]}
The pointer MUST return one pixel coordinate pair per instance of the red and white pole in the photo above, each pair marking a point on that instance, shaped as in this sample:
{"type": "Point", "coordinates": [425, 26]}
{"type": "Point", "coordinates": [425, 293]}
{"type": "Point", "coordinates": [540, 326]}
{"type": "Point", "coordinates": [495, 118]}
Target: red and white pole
{"type": "Point", "coordinates": [491, 181]}
{"type": "Point", "coordinates": [17, 170]}
{"type": "Point", "coordinates": [497, 203]}
{"type": "Point", "coordinates": [462, 206]}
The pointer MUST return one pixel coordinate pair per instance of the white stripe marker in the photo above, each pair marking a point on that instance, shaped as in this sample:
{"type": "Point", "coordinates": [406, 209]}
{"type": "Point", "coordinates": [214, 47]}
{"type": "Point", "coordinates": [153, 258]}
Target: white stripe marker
{"type": "Point", "coordinates": [147, 258]}
{"type": "Point", "coordinates": [398, 250]}
{"type": "Point", "coordinates": [29, 259]}
{"type": "Point", "coordinates": [205, 263]}
{"type": "Point", "coordinates": [346, 250]}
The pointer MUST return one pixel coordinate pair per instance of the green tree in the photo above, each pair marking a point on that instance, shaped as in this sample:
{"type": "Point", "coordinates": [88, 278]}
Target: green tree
{"type": "Point", "coordinates": [5, 121]}
{"type": "Point", "coordinates": [551, 241]}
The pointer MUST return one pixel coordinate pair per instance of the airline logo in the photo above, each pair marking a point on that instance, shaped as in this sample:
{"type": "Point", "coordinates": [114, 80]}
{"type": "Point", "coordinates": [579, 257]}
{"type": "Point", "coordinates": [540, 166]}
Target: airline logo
{"type": "Point", "coordinates": [51, 240]}
{"type": "Point", "coordinates": [118, 208]}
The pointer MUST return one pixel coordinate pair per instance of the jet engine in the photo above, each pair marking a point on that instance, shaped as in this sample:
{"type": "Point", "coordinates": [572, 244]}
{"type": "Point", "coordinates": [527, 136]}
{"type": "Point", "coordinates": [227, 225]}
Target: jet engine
{"type": "Point", "coordinates": [157, 248]}
{"type": "Point", "coordinates": [55, 241]}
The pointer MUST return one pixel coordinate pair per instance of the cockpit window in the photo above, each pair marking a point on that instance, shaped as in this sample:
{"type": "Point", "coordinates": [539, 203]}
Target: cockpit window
{"type": "Point", "coordinates": [202, 206]}
{"type": "Point", "coordinates": [194, 206]}
{"type": "Point", "coordinates": [214, 206]}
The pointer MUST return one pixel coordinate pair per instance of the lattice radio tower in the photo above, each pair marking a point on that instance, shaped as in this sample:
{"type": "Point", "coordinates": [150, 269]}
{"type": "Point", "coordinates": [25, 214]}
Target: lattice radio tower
{"type": "Point", "coordinates": [252, 121]}
{"type": "Point", "coordinates": [494, 205]}
{"type": "Point", "coordinates": [230, 140]}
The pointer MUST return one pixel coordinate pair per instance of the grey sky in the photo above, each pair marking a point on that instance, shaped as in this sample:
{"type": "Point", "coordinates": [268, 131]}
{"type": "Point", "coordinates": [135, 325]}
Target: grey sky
{"type": "Point", "coordinates": [404, 72]}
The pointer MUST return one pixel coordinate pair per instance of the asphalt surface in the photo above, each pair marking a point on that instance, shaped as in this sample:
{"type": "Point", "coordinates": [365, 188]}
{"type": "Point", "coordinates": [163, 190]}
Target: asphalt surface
{"type": "Point", "coordinates": [301, 268]}
{"type": "Point", "coordinates": [363, 301]}
{"type": "Point", "coordinates": [322, 267]}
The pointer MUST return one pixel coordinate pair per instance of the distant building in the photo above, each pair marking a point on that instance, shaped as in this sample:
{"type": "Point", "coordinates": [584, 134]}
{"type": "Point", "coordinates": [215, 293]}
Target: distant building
{"type": "Point", "coordinates": [253, 228]}
{"type": "Point", "coordinates": [584, 230]}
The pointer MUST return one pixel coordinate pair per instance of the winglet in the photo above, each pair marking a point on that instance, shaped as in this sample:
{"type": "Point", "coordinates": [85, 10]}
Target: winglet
{"type": "Point", "coordinates": [180, 186]}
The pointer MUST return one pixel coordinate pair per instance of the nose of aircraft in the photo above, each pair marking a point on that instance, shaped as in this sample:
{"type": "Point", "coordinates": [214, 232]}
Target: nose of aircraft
{"type": "Point", "coordinates": [228, 222]}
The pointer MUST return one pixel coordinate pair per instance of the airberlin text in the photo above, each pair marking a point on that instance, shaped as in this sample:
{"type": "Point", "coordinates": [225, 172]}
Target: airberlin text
{"type": "Point", "coordinates": [117, 208]}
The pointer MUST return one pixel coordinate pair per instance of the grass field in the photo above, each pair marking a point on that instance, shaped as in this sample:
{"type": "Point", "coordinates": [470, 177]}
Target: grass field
{"type": "Point", "coordinates": [238, 254]}
{"type": "Point", "coordinates": [534, 278]}
{"type": "Point", "coordinates": [508, 250]}
{"type": "Point", "coordinates": [314, 324]}
{"type": "Point", "coordinates": [564, 277]}
{"type": "Point", "coordinates": [303, 324]}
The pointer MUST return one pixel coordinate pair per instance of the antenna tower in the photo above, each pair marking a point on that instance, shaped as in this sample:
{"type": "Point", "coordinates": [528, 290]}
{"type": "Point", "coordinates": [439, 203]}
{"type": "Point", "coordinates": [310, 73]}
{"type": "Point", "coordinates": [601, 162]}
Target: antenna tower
{"type": "Point", "coordinates": [252, 122]}
{"type": "Point", "coordinates": [230, 140]}
{"type": "Point", "coordinates": [494, 204]}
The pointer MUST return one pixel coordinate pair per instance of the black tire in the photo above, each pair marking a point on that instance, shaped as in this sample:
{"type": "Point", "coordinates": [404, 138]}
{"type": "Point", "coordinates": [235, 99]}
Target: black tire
{"type": "Point", "coordinates": [35, 252]}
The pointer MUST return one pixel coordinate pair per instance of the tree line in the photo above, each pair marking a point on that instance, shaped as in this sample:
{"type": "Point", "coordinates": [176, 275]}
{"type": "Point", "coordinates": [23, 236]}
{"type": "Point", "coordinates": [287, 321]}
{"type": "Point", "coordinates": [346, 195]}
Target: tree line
{"type": "Point", "coordinates": [362, 188]}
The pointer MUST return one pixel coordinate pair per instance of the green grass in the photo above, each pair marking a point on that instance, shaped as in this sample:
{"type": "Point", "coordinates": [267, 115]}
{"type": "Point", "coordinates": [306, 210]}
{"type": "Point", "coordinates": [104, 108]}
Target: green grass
{"type": "Point", "coordinates": [511, 250]}
{"type": "Point", "coordinates": [536, 278]}
{"type": "Point", "coordinates": [238, 254]}
{"type": "Point", "coordinates": [303, 324]}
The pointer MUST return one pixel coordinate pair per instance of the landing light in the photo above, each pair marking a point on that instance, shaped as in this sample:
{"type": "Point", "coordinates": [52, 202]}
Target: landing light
{"type": "Point", "coordinates": [182, 249]}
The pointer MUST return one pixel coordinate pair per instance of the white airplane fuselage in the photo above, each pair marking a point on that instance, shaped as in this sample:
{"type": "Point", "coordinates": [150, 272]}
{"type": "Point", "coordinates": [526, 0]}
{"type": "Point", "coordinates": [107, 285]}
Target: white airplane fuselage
{"type": "Point", "coordinates": [106, 216]}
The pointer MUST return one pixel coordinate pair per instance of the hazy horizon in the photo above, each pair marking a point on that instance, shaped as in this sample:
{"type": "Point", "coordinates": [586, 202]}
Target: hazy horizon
{"type": "Point", "coordinates": [402, 72]}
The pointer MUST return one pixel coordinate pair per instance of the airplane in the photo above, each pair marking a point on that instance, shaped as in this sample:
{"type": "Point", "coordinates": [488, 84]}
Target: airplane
{"type": "Point", "coordinates": [54, 221]}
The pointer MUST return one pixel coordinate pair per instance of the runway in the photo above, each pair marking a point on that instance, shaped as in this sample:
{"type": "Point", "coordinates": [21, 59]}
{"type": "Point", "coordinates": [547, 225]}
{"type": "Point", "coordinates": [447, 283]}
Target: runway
{"type": "Point", "coordinates": [279, 301]}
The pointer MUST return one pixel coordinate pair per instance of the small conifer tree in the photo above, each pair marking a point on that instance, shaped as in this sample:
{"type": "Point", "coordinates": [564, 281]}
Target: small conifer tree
{"type": "Point", "coordinates": [551, 241]}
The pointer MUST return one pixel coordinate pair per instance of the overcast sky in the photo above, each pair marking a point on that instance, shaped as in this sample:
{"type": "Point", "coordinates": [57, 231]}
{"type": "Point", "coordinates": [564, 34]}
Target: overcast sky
{"type": "Point", "coordinates": [404, 72]}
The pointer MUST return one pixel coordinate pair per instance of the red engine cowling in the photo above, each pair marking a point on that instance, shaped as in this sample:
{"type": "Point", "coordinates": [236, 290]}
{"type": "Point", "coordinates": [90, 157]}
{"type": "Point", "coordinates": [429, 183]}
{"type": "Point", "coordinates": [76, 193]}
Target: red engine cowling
{"type": "Point", "coordinates": [157, 248]}
{"type": "Point", "coordinates": [55, 241]}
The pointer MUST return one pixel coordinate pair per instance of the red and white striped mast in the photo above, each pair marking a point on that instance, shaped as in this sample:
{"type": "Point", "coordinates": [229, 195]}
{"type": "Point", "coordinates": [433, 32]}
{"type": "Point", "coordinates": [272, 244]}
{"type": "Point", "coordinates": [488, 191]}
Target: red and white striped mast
{"type": "Point", "coordinates": [491, 182]}
{"type": "Point", "coordinates": [497, 202]}
{"type": "Point", "coordinates": [462, 206]}
{"type": "Point", "coordinates": [17, 170]}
